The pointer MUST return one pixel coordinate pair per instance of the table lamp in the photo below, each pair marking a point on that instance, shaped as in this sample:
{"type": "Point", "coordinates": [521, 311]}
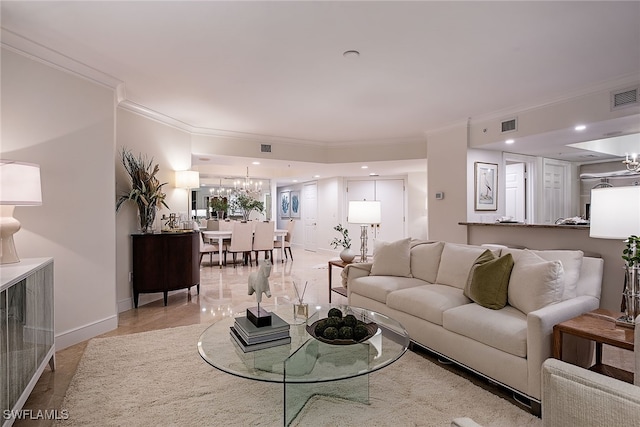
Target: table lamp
{"type": "Point", "coordinates": [364, 212]}
{"type": "Point", "coordinates": [19, 186]}
{"type": "Point", "coordinates": [615, 214]}
{"type": "Point", "coordinates": [188, 180]}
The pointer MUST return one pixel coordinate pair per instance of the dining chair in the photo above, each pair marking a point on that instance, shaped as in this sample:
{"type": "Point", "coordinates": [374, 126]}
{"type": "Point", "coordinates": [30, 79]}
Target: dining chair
{"type": "Point", "coordinates": [263, 239]}
{"type": "Point", "coordinates": [241, 241]}
{"type": "Point", "coordinates": [287, 239]}
{"type": "Point", "coordinates": [206, 247]}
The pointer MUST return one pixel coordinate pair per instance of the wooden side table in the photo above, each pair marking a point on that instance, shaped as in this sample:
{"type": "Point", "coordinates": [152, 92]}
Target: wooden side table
{"type": "Point", "coordinates": [341, 289]}
{"type": "Point", "coordinates": [598, 326]}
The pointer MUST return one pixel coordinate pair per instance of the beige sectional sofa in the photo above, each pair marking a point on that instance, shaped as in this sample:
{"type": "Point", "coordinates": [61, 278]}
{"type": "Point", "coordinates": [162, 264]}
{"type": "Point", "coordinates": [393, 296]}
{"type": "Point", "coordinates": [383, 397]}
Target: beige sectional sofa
{"type": "Point", "coordinates": [422, 285]}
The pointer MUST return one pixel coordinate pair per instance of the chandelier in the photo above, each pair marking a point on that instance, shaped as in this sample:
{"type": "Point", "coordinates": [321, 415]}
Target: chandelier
{"type": "Point", "coordinates": [632, 163]}
{"type": "Point", "coordinates": [248, 185]}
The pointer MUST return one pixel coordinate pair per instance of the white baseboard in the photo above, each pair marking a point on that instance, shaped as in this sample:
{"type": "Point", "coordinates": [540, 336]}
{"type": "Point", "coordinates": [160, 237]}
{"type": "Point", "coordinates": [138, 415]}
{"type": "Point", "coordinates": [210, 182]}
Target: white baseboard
{"type": "Point", "coordinates": [83, 333]}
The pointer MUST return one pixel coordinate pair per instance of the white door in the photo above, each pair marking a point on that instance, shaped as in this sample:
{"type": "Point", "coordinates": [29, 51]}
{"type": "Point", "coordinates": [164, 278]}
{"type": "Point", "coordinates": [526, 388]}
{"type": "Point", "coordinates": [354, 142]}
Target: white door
{"type": "Point", "coordinates": [391, 194]}
{"type": "Point", "coordinates": [554, 188]}
{"type": "Point", "coordinates": [515, 191]}
{"type": "Point", "coordinates": [310, 215]}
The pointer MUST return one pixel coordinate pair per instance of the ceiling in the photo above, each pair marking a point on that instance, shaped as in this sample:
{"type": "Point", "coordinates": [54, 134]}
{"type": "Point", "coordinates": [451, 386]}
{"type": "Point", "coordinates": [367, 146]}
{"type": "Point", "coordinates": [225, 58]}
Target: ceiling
{"type": "Point", "coordinates": [277, 70]}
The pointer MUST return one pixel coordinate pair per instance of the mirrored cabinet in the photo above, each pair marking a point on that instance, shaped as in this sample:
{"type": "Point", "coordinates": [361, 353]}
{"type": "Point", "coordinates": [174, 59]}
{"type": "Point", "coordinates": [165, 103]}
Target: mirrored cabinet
{"type": "Point", "coordinates": [27, 341]}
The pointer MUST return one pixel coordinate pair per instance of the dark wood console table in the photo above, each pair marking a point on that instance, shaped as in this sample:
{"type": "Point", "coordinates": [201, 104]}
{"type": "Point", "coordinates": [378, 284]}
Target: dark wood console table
{"type": "Point", "coordinates": [165, 262]}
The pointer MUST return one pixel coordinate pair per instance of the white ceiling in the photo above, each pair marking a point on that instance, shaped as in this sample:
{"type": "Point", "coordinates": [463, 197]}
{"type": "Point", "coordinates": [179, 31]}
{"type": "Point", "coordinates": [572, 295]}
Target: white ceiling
{"type": "Point", "coordinates": [276, 69]}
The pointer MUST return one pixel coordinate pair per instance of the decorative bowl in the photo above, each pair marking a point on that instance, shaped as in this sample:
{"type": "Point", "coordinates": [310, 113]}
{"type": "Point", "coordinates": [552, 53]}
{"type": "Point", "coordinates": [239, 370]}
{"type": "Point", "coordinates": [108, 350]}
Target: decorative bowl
{"type": "Point", "coordinates": [371, 327]}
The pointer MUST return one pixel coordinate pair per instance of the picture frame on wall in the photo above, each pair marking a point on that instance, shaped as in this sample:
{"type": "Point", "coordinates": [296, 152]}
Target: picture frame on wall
{"type": "Point", "coordinates": [486, 186]}
{"type": "Point", "coordinates": [284, 207]}
{"type": "Point", "coordinates": [295, 204]}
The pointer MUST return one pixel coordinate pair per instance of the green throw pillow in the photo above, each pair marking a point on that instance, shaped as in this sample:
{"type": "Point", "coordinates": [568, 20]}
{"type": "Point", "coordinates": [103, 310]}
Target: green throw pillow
{"type": "Point", "coordinates": [488, 281]}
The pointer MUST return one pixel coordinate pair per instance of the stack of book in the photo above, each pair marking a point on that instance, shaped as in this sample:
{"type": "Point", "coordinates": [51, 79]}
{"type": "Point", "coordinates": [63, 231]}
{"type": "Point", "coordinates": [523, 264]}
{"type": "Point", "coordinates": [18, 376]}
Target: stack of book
{"type": "Point", "coordinates": [251, 338]}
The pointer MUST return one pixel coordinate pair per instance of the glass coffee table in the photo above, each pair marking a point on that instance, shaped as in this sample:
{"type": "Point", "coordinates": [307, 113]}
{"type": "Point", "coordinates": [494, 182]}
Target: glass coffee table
{"type": "Point", "coordinates": [307, 367]}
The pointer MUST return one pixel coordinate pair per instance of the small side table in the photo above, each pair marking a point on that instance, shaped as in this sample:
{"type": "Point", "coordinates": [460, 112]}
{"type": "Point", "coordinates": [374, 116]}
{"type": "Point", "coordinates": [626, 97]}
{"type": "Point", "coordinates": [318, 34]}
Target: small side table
{"type": "Point", "coordinates": [341, 289]}
{"type": "Point", "coordinates": [598, 326]}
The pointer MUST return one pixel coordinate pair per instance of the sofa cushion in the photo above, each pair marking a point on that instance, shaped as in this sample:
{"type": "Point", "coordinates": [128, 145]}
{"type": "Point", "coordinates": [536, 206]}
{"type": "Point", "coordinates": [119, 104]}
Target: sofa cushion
{"type": "Point", "coordinates": [455, 263]}
{"type": "Point", "coordinates": [378, 287]}
{"type": "Point", "coordinates": [504, 329]}
{"type": "Point", "coordinates": [571, 264]}
{"type": "Point", "coordinates": [392, 258]}
{"type": "Point", "coordinates": [425, 259]}
{"type": "Point", "coordinates": [488, 281]}
{"type": "Point", "coordinates": [427, 302]}
{"type": "Point", "coordinates": [534, 282]}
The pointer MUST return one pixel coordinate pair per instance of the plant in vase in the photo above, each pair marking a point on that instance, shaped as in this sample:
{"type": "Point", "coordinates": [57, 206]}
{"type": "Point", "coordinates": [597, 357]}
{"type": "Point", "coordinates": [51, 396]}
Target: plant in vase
{"type": "Point", "coordinates": [219, 206]}
{"type": "Point", "coordinates": [247, 204]}
{"type": "Point", "coordinates": [346, 255]}
{"type": "Point", "coordinates": [146, 189]}
{"type": "Point", "coordinates": [631, 294]}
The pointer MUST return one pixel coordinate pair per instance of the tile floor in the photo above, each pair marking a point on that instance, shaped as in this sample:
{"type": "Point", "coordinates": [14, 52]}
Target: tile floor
{"type": "Point", "coordinates": [222, 292]}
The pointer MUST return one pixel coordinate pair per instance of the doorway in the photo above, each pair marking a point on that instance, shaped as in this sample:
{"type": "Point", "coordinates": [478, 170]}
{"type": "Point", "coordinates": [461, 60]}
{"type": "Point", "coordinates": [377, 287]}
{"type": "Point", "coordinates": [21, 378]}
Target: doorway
{"type": "Point", "coordinates": [520, 187]}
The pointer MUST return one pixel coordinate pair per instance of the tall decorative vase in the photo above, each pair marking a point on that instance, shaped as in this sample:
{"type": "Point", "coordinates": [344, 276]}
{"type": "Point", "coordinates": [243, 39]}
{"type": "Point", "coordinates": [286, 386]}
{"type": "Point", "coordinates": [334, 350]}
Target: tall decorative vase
{"type": "Point", "coordinates": [146, 218]}
{"type": "Point", "coordinates": [347, 255]}
{"type": "Point", "coordinates": [632, 293]}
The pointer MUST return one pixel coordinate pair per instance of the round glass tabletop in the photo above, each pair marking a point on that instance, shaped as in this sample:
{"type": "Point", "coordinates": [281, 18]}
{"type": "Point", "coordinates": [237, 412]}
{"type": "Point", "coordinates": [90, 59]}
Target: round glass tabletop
{"type": "Point", "coordinates": [305, 359]}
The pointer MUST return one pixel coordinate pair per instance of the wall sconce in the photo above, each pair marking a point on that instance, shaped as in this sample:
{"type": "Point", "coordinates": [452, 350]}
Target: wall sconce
{"type": "Point", "coordinates": [19, 186]}
{"type": "Point", "coordinates": [364, 212]}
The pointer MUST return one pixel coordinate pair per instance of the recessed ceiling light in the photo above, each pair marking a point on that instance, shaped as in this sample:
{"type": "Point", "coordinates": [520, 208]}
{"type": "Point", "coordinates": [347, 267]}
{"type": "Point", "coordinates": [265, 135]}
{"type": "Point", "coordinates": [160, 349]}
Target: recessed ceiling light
{"type": "Point", "coordinates": [255, 163]}
{"type": "Point", "coordinates": [351, 54]}
{"type": "Point", "coordinates": [364, 167]}
{"type": "Point", "coordinates": [373, 174]}
{"type": "Point", "coordinates": [204, 159]}
{"type": "Point", "coordinates": [295, 180]}
{"type": "Point", "coordinates": [580, 127]}
{"type": "Point", "coordinates": [316, 176]}
{"type": "Point", "coordinates": [509, 141]}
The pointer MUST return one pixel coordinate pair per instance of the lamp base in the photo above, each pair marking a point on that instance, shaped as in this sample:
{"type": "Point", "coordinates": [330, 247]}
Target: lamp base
{"type": "Point", "coordinates": [625, 322]}
{"type": "Point", "coordinates": [363, 243]}
{"type": "Point", "coordinates": [8, 227]}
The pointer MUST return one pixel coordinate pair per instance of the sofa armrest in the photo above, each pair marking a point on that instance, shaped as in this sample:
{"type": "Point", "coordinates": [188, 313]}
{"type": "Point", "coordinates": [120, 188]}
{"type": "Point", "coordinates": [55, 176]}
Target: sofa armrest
{"type": "Point", "coordinates": [574, 396]}
{"type": "Point", "coordinates": [540, 331]}
{"type": "Point", "coordinates": [353, 271]}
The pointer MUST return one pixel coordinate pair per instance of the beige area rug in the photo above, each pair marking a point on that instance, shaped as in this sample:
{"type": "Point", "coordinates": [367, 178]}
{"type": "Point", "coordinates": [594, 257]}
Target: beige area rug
{"type": "Point", "coordinates": [158, 378]}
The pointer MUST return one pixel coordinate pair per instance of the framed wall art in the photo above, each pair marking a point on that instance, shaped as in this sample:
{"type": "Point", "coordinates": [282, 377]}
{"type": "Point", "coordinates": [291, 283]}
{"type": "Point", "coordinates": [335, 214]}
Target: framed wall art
{"type": "Point", "coordinates": [295, 204]}
{"type": "Point", "coordinates": [486, 186]}
{"type": "Point", "coordinates": [285, 204]}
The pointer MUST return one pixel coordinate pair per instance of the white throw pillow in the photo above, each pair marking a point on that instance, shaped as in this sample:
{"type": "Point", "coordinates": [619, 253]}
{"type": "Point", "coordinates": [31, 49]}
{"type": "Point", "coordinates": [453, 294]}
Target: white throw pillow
{"type": "Point", "coordinates": [392, 258]}
{"type": "Point", "coordinates": [535, 282]}
{"type": "Point", "coordinates": [571, 263]}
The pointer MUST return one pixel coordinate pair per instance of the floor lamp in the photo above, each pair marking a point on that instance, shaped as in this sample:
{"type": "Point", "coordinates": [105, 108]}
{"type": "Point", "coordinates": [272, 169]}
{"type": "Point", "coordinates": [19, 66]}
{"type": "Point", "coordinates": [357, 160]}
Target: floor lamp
{"type": "Point", "coordinates": [188, 180]}
{"type": "Point", "coordinates": [19, 186]}
{"type": "Point", "coordinates": [365, 213]}
{"type": "Point", "coordinates": [615, 214]}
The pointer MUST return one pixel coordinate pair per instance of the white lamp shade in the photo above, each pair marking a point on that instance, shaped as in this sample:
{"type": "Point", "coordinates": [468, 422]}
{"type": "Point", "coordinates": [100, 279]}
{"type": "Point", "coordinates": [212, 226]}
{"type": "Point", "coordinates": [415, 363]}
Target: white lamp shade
{"type": "Point", "coordinates": [364, 212]}
{"type": "Point", "coordinates": [615, 212]}
{"type": "Point", "coordinates": [19, 184]}
{"type": "Point", "coordinates": [187, 179]}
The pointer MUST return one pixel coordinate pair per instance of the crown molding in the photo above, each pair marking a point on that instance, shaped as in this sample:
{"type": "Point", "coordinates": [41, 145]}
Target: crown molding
{"type": "Point", "coordinates": [45, 55]}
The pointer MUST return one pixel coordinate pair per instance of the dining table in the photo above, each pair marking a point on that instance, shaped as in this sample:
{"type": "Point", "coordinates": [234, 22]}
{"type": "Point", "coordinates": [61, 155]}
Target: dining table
{"type": "Point", "coordinates": [220, 235]}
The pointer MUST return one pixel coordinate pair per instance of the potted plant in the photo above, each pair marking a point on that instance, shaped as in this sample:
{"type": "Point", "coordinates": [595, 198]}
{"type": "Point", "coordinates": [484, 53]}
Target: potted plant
{"type": "Point", "coordinates": [346, 255]}
{"type": "Point", "coordinates": [631, 294]}
{"type": "Point", "coordinates": [146, 189]}
{"type": "Point", "coordinates": [247, 204]}
{"type": "Point", "coordinates": [219, 206]}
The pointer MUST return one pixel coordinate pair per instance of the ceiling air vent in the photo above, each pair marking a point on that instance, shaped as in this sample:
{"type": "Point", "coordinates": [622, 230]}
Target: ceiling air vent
{"type": "Point", "coordinates": [510, 125]}
{"type": "Point", "coordinates": [624, 98]}
{"type": "Point", "coordinates": [265, 148]}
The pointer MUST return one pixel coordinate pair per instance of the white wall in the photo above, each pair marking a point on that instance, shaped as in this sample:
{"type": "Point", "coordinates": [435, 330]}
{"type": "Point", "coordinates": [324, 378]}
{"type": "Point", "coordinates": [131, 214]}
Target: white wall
{"type": "Point", "coordinates": [447, 172]}
{"type": "Point", "coordinates": [170, 148]}
{"type": "Point", "coordinates": [417, 220]}
{"type": "Point", "coordinates": [66, 124]}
